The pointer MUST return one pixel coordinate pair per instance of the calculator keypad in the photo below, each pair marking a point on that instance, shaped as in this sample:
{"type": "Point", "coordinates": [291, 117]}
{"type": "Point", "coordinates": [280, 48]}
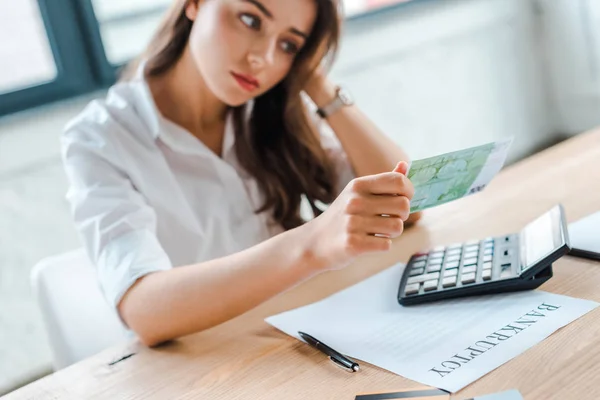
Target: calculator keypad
{"type": "Point", "coordinates": [461, 265]}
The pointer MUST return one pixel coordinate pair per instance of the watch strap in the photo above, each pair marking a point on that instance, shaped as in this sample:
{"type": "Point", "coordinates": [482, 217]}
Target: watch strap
{"type": "Point", "coordinates": [337, 103]}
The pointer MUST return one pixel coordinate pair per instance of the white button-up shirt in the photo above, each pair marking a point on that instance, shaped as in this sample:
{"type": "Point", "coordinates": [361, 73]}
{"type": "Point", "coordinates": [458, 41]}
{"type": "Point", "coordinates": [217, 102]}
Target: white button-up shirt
{"type": "Point", "coordinates": [146, 195]}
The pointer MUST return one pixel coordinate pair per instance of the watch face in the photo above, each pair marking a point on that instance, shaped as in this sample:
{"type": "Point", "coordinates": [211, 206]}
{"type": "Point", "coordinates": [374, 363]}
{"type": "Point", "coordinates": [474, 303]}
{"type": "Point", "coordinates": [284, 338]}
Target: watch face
{"type": "Point", "coordinates": [345, 97]}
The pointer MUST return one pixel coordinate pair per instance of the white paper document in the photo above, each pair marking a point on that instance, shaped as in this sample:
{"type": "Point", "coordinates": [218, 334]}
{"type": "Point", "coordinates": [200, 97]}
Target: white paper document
{"type": "Point", "coordinates": [446, 344]}
{"type": "Point", "coordinates": [585, 234]}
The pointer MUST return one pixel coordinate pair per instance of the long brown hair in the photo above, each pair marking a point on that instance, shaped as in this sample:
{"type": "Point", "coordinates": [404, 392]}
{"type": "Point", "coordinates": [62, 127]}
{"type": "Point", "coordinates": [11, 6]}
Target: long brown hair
{"type": "Point", "coordinates": [278, 146]}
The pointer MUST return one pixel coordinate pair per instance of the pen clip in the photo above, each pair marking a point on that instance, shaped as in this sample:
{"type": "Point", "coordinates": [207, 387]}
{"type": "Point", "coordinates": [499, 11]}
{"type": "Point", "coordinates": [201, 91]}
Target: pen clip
{"type": "Point", "coordinates": [342, 366]}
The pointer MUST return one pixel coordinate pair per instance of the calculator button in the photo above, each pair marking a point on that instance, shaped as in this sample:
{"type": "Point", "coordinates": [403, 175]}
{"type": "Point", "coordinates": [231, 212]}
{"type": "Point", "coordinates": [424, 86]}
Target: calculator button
{"type": "Point", "coordinates": [488, 252]}
{"type": "Point", "coordinates": [437, 261]}
{"type": "Point", "coordinates": [468, 278]}
{"type": "Point", "coordinates": [449, 281]}
{"type": "Point", "coordinates": [423, 278]}
{"type": "Point", "coordinates": [451, 272]}
{"type": "Point", "coordinates": [416, 271]}
{"type": "Point", "coordinates": [452, 265]}
{"type": "Point", "coordinates": [420, 257]}
{"type": "Point", "coordinates": [412, 289]}
{"type": "Point", "coordinates": [436, 256]}
{"type": "Point", "coordinates": [487, 258]}
{"type": "Point", "coordinates": [454, 252]}
{"type": "Point", "coordinates": [419, 264]}
{"type": "Point", "coordinates": [487, 274]}
{"type": "Point", "coordinates": [470, 261]}
{"type": "Point", "coordinates": [430, 285]}
{"type": "Point", "coordinates": [471, 268]}
{"type": "Point", "coordinates": [438, 249]}
{"type": "Point", "coordinates": [434, 268]}
{"type": "Point", "coordinates": [471, 254]}
{"type": "Point", "coordinates": [474, 248]}
{"type": "Point", "coordinates": [453, 258]}
{"type": "Point", "coordinates": [487, 265]}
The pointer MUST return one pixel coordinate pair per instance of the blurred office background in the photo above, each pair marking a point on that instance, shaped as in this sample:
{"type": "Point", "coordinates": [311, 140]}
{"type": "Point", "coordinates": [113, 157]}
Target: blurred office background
{"type": "Point", "coordinates": [436, 75]}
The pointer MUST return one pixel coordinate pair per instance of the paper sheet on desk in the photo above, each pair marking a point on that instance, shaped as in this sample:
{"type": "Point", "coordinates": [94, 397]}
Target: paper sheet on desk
{"type": "Point", "coordinates": [446, 344]}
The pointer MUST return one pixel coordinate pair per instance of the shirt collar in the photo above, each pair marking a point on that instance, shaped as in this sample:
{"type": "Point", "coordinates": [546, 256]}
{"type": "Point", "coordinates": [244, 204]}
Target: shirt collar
{"type": "Point", "coordinates": [182, 141]}
{"type": "Point", "coordinates": [145, 104]}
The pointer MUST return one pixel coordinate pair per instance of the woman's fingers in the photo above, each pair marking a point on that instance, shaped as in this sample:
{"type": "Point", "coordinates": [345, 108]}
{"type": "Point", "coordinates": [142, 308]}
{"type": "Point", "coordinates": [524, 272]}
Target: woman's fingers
{"type": "Point", "coordinates": [401, 168]}
{"type": "Point", "coordinates": [387, 227]}
{"type": "Point", "coordinates": [360, 243]}
{"type": "Point", "coordinates": [370, 205]}
{"type": "Point", "coordinates": [375, 243]}
{"type": "Point", "coordinates": [390, 183]}
{"type": "Point", "coordinates": [374, 209]}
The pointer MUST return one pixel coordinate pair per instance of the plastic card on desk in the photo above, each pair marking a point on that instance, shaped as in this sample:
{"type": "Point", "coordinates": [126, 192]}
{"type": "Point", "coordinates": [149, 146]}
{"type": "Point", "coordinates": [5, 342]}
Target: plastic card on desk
{"type": "Point", "coordinates": [422, 393]}
{"type": "Point", "coordinates": [508, 395]}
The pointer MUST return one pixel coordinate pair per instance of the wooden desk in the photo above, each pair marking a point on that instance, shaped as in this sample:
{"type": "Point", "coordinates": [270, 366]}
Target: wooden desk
{"type": "Point", "coordinates": [247, 359]}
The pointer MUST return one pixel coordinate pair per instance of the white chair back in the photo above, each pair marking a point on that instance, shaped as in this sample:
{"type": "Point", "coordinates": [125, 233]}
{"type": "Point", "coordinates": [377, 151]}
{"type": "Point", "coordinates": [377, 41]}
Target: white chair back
{"type": "Point", "coordinates": [78, 320]}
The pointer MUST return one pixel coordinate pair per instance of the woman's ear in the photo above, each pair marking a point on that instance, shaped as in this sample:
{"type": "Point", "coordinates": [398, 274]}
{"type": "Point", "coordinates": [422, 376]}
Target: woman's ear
{"type": "Point", "coordinates": [191, 9]}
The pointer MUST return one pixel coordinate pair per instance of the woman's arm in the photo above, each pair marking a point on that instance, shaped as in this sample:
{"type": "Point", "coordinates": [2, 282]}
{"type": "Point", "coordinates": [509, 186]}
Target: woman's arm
{"type": "Point", "coordinates": [369, 150]}
{"type": "Point", "coordinates": [168, 304]}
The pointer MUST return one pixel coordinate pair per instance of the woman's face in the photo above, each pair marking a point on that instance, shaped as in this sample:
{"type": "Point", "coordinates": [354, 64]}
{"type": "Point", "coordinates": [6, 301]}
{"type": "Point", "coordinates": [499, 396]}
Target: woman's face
{"type": "Point", "coordinates": [242, 48]}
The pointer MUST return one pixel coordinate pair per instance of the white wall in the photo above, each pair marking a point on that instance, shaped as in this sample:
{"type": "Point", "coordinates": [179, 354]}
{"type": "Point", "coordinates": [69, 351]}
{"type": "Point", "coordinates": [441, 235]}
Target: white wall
{"type": "Point", "coordinates": [571, 33]}
{"type": "Point", "coordinates": [440, 75]}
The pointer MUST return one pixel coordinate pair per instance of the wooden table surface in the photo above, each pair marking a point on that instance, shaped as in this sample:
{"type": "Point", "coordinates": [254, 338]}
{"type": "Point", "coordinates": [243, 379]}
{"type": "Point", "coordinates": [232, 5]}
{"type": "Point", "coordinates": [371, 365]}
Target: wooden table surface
{"type": "Point", "coordinates": [246, 358]}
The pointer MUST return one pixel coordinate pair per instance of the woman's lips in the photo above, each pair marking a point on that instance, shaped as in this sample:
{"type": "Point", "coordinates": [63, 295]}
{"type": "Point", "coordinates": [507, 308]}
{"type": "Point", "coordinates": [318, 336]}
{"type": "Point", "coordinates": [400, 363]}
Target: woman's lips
{"type": "Point", "coordinates": [246, 82]}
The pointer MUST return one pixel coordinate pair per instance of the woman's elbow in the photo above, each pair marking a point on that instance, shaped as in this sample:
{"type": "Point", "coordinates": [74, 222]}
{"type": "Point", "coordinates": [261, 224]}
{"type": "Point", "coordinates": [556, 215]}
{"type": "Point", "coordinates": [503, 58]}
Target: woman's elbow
{"type": "Point", "coordinates": [149, 340]}
{"type": "Point", "coordinates": [142, 329]}
{"type": "Point", "coordinates": [138, 320]}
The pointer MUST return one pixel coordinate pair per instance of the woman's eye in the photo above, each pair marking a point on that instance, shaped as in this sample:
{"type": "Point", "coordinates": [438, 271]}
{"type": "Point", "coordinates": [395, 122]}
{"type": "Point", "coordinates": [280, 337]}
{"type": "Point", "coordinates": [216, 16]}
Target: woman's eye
{"type": "Point", "coordinates": [250, 21]}
{"type": "Point", "coordinates": [290, 47]}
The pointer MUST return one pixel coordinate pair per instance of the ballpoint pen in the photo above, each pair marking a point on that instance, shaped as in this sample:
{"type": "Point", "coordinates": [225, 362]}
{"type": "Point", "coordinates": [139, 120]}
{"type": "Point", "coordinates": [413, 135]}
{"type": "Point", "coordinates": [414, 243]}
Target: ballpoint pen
{"type": "Point", "coordinates": [338, 359]}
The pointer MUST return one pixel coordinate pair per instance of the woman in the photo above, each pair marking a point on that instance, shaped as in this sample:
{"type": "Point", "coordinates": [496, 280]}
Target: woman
{"type": "Point", "coordinates": [201, 160]}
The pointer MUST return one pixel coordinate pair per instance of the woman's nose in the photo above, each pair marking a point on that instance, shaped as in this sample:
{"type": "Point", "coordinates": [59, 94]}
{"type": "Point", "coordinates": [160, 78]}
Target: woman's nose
{"type": "Point", "coordinates": [262, 55]}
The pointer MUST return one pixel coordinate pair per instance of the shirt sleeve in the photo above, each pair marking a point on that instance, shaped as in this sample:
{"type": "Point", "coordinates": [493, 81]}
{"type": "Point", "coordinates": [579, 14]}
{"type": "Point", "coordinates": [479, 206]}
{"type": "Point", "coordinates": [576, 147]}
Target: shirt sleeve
{"type": "Point", "coordinates": [117, 226]}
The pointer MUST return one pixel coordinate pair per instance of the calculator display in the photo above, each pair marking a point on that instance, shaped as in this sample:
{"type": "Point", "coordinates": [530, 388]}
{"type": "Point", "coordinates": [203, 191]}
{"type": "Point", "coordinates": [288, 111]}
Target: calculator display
{"type": "Point", "coordinates": [540, 238]}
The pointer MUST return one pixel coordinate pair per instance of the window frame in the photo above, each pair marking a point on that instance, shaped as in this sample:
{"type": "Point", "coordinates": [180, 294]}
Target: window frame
{"type": "Point", "coordinates": [74, 76]}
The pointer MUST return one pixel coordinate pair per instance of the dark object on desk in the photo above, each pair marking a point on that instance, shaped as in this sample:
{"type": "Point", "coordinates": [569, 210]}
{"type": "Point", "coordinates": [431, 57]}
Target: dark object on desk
{"type": "Point", "coordinates": [425, 393]}
{"type": "Point", "coordinates": [508, 263]}
{"type": "Point", "coordinates": [585, 237]}
{"type": "Point", "coordinates": [121, 359]}
{"type": "Point", "coordinates": [337, 358]}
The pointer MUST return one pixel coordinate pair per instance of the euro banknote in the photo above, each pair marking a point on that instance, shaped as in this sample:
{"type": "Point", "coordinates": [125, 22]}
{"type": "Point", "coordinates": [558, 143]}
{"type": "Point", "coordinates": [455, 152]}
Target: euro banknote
{"type": "Point", "coordinates": [451, 176]}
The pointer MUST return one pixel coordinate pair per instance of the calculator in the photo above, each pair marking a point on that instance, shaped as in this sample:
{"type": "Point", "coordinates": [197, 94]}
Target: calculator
{"type": "Point", "coordinates": [517, 261]}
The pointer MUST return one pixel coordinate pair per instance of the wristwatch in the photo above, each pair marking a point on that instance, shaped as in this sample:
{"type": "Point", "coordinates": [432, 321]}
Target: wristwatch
{"type": "Point", "coordinates": [342, 98]}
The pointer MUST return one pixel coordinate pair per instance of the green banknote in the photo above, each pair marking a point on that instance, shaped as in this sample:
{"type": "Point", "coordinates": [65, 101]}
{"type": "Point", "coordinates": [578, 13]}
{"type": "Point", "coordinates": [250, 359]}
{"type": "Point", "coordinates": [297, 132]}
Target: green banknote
{"type": "Point", "coordinates": [447, 177]}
